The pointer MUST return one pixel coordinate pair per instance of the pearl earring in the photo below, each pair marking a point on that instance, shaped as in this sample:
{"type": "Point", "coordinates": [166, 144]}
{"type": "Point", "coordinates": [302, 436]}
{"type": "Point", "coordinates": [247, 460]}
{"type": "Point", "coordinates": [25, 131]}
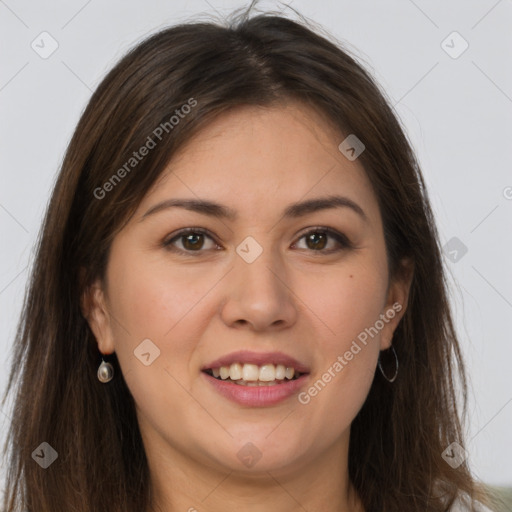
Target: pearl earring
{"type": "Point", "coordinates": [105, 372]}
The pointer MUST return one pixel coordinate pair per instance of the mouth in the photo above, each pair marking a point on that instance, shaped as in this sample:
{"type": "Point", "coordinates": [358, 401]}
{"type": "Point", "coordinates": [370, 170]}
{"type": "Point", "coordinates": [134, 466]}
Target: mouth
{"type": "Point", "coordinates": [247, 374]}
{"type": "Point", "coordinates": [256, 379]}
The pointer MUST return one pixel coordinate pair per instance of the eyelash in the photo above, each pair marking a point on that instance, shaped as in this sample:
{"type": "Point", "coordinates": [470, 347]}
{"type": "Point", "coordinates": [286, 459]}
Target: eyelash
{"type": "Point", "coordinates": [342, 240]}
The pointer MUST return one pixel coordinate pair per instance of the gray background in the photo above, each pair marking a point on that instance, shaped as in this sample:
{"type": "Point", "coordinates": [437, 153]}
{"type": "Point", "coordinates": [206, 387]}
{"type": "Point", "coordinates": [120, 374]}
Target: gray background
{"type": "Point", "coordinates": [457, 112]}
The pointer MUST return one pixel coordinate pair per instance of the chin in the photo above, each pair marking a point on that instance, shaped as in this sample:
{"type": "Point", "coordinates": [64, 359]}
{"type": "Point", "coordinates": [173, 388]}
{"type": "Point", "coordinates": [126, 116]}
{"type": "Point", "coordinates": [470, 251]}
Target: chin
{"type": "Point", "coordinates": [255, 453]}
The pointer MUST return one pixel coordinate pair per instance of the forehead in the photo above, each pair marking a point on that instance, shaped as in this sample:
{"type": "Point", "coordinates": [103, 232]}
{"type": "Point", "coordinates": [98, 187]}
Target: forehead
{"type": "Point", "coordinates": [251, 158]}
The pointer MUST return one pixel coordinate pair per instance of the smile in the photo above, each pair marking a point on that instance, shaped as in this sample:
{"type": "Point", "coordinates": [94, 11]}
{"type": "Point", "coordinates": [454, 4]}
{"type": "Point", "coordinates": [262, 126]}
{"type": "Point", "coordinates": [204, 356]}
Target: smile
{"type": "Point", "coordinates": [250, 391]}
{"type": "Point", "coordinates": [246, 374]}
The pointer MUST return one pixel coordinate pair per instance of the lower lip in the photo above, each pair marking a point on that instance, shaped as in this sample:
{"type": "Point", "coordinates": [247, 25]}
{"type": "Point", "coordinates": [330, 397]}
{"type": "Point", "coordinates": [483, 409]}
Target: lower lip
{"type": "Point", "coordinates": [256, 396]}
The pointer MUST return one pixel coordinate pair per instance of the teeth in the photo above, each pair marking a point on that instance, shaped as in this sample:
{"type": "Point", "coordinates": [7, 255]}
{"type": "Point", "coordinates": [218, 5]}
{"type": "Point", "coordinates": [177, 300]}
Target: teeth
{"type": "Point", "coordinates": [254, 375]}
{"type": "Point", "coordinates": [257, 383]}
{"type": "Point", "coordinates": [289, 373]}
{"type": "Point", "coordinates": [235, 371]}
{"type": "Point", "coordinates": [267, 373]}
{"type": "Point", "coordinates": [250, 372]}
{"type": "Point", "coordinates": [280, 372]}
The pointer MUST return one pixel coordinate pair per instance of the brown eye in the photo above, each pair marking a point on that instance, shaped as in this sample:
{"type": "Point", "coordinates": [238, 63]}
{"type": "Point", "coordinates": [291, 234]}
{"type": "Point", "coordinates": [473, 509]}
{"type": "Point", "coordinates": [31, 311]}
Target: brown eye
{"type": "Point", "coordinates": [191, 239]}
{"type": "Point", "coordinates": [195, 240]}
{"type": "Point", "coordinates": [317, 240]}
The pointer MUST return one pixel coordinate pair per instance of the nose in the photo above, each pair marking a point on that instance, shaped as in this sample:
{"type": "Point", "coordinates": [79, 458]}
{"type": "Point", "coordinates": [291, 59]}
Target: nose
{"type": "Point", "coordinates": [259, 295]}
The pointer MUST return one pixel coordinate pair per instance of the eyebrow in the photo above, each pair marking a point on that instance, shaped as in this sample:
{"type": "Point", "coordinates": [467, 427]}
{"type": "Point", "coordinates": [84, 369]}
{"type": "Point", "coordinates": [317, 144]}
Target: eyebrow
{"type": "Point", "coordinates": [293, 211]}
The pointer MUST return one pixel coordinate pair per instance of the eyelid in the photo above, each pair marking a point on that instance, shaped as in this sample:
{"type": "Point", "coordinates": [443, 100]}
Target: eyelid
{"type": "Point", "coordinates": [341, 238]}
{"type": "Point", "coordinates": [330, 231]}
{"type": "Point", "coordinates": [185, 231]}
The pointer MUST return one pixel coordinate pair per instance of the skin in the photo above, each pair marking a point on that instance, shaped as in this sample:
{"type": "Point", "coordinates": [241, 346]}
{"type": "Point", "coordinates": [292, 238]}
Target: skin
{"type": "Point", "coordinates": [293, 298]}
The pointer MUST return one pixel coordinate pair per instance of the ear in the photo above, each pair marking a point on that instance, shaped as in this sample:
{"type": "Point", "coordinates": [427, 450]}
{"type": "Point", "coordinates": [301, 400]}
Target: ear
{"type": "Point", "coordinates": [94, 308]}
{"type": "Point", "coordinates": [396, 302]}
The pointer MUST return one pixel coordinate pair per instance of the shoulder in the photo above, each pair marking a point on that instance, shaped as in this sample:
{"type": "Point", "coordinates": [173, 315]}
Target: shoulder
{"type": "Point", "coordinates": [463, 504]}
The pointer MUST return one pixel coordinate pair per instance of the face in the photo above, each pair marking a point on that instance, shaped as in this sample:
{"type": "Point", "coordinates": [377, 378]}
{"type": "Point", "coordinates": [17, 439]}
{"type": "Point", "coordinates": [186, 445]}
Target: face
{"type": "Point", "coordinates": [304, 288]}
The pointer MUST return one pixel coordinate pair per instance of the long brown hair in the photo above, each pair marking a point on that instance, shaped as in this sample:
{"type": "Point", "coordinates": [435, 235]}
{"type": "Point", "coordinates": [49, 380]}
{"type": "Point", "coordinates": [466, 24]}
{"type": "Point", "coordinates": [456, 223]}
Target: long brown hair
{"type": "Point", "coordinates": [399, 435]}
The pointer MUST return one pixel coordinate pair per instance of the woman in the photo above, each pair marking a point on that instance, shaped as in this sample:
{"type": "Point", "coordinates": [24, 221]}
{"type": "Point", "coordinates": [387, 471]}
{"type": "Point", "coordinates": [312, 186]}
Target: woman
{"type": "Point", "coordinates": [238, 299]}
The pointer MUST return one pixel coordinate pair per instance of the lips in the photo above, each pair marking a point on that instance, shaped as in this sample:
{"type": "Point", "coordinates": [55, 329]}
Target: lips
{"type": "Point", "coordinates": [259, 394]}
{"type": "Point", "coordinates": [256, 379]}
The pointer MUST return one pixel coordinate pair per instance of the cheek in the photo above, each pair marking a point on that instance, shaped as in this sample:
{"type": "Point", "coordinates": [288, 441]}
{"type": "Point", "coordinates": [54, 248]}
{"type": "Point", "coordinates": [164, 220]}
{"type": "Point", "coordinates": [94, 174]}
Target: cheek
{"type": "Point", "coordinates": [347, 302]}
{"type": "Point", "coordinates": [151, 298]}
{"type": "Point", "coordinates": [156, 302]}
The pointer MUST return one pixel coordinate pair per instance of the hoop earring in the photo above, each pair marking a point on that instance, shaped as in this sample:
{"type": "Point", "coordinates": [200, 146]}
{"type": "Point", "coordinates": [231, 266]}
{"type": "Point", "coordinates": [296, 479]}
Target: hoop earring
{"type": "Point", "coordinates": [105, 372]}
{"type": "Point", "coordinates": [396, 367]}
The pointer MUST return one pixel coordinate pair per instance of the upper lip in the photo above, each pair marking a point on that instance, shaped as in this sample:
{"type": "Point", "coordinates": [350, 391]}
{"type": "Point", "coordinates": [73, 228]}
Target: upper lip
{"type": "Point", "coordinates": [257, 358]}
